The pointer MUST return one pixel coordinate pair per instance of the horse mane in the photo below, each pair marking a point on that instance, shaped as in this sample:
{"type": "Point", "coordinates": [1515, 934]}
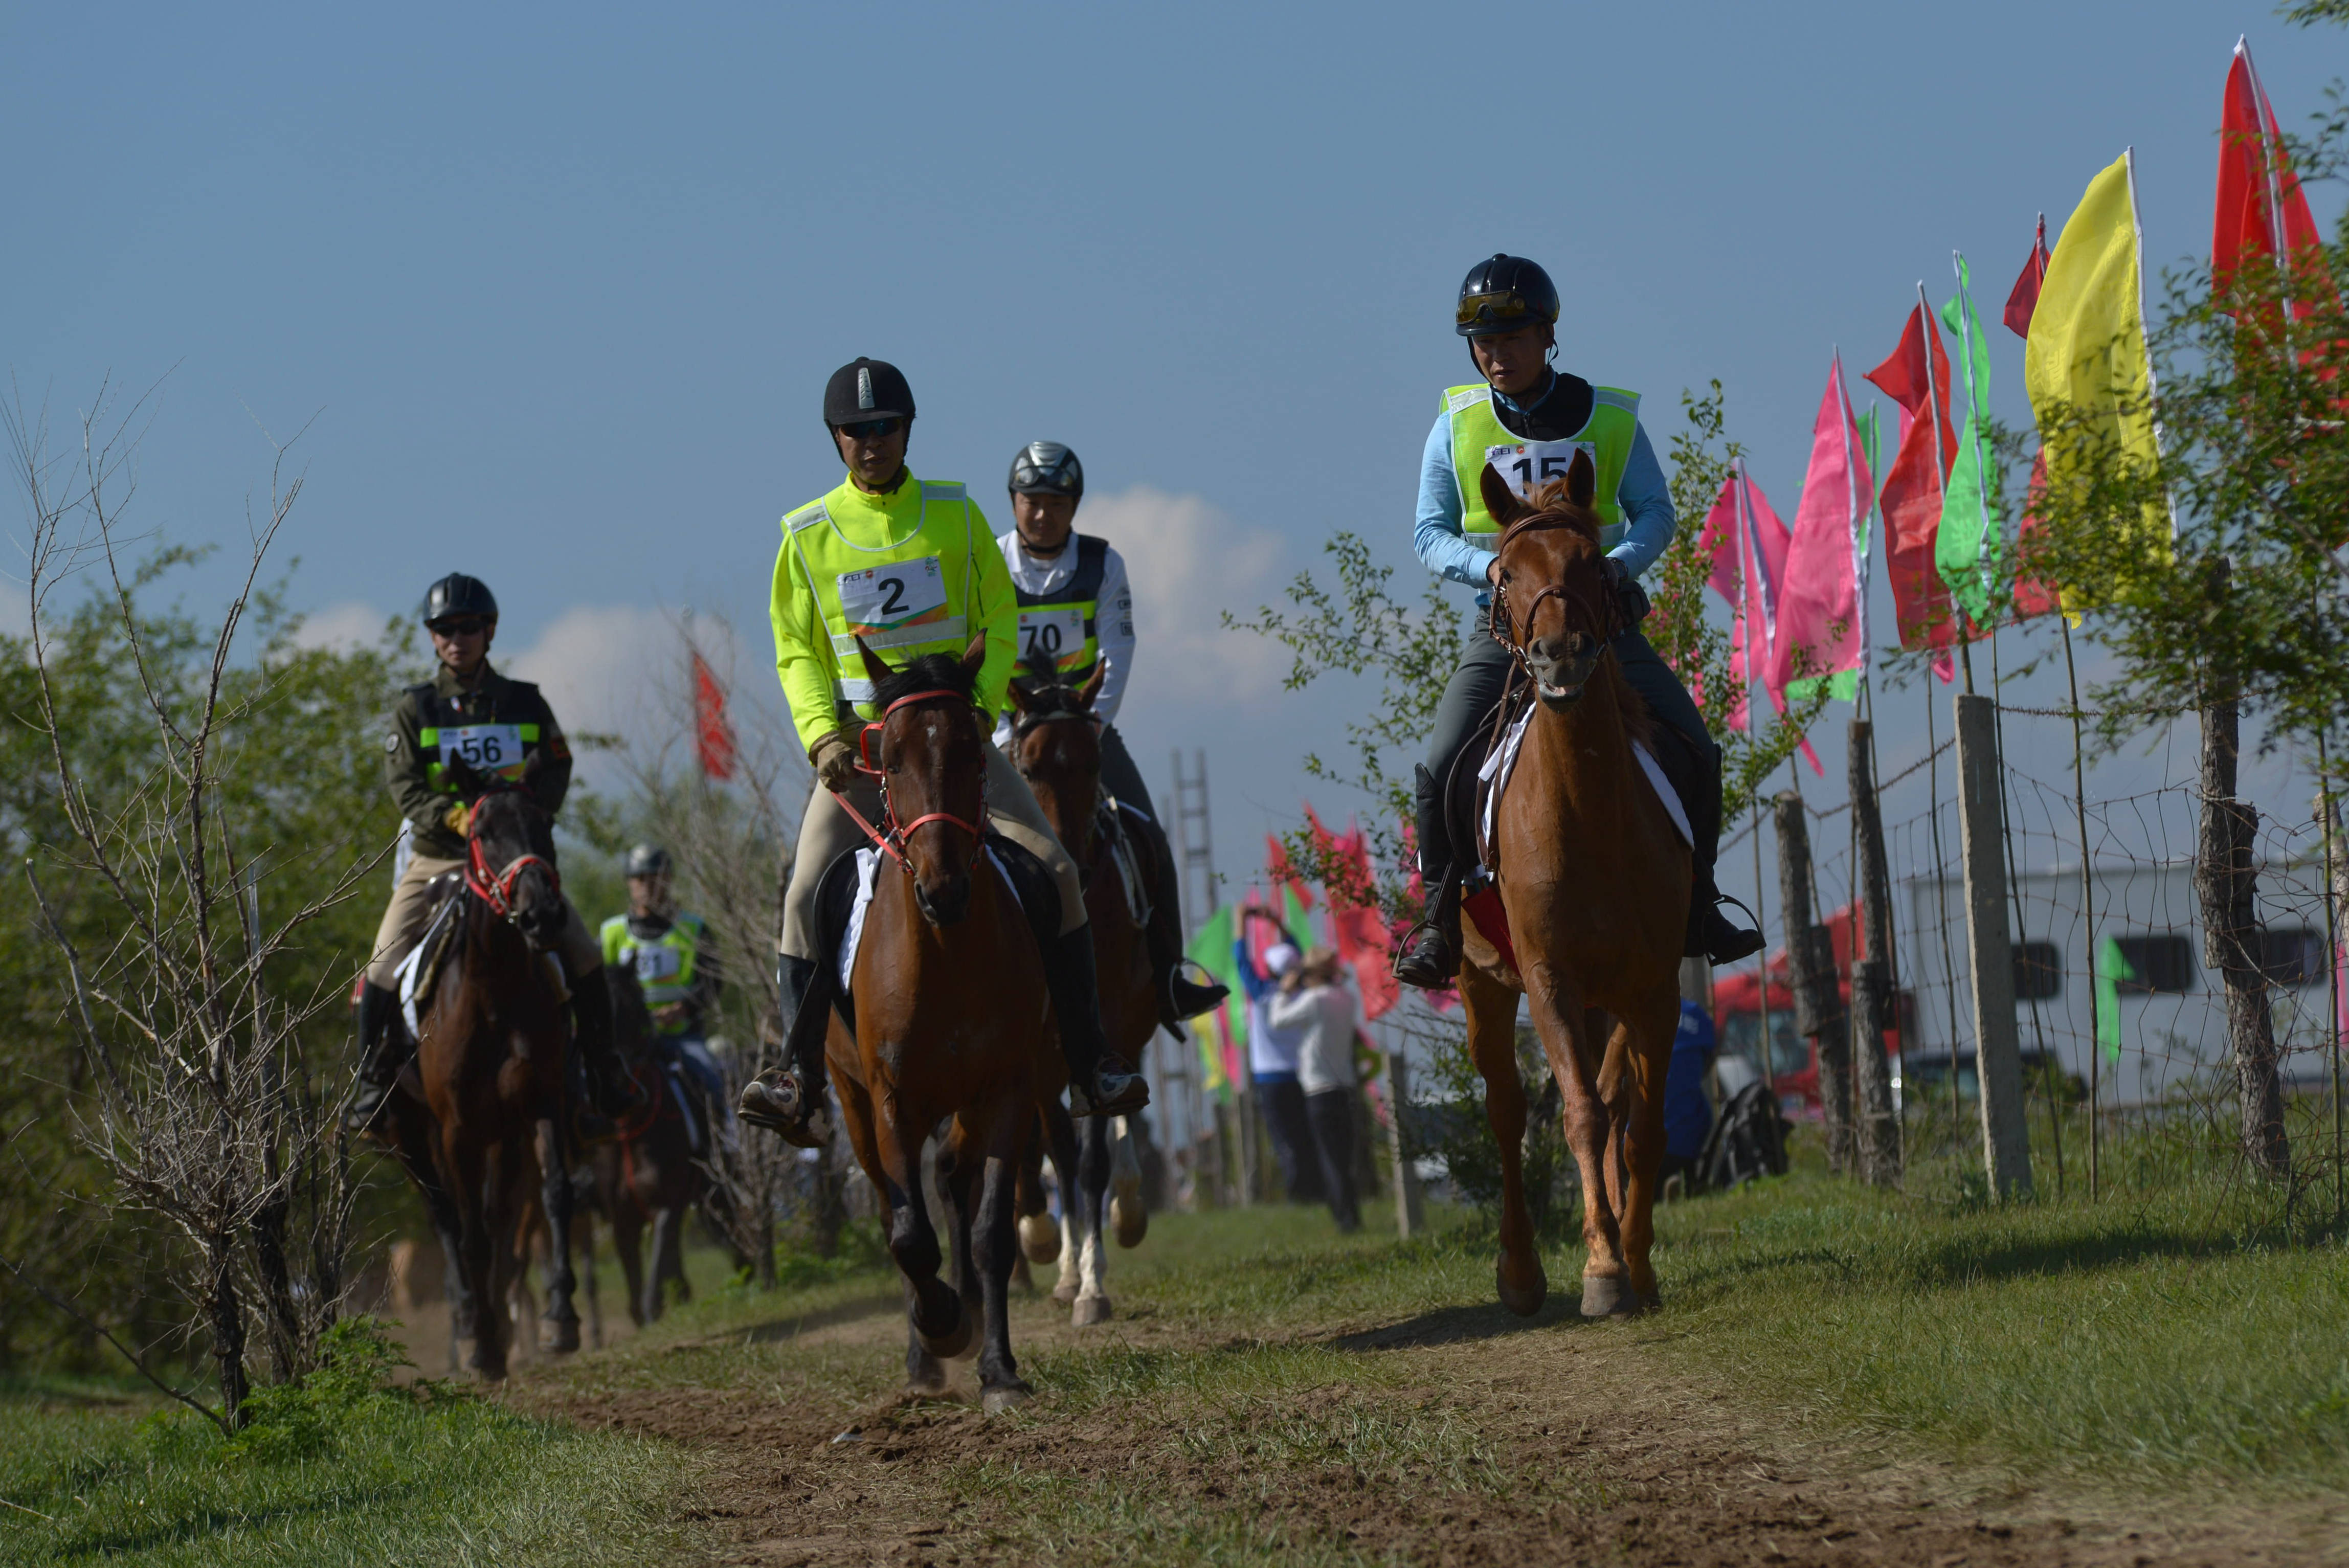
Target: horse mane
{"type": "Point", "coordinates": [1552, 501]}
{"type": "Point", "coordinates": [931, 672]}
{"type": "Point", "coordinates": [1048, 692]}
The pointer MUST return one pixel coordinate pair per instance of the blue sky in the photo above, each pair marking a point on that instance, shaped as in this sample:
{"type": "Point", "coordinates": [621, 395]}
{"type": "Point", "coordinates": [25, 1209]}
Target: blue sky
{"type": "Point", "coordinates": [561, 286]}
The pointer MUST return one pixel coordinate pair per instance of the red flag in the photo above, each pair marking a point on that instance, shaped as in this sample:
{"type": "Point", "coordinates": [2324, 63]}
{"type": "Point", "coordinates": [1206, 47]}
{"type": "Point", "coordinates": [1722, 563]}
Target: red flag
{"type": "Point", "coordinates": [1912, 490]}
{"type": "Point", "coordinates": [713, 736]}
{"type": "Point", "coordinates": [2261, 212]}
{"type": "Point", "coordinates": [1362, 938]}
{"type": "Point", "coordinates": [2023, 298]}
{"type": "Point", "coordinates": [2033, 595]}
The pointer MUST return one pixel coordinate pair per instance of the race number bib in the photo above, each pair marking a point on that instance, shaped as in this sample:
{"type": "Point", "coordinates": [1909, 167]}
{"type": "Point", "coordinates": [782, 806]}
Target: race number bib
{"type": "Point", "coordinates": [892, 598]}
{"type": "Point", "coordinates": [656, 962]}
{"type": "Point", "coordinates": [1059, 633]}
{"type": "Point", "coordinates": [484, 747]}
{"type": "Point", "coordinates": [1529, 465]}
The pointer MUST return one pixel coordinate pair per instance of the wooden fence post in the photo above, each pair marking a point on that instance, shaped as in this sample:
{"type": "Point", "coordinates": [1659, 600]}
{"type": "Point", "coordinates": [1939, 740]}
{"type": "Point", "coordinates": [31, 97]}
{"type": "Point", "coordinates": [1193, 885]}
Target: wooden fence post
{"type": "Point", "coordinates": [2227, 884]}
{"type": "Point", "coordinates": [1810, 963]}
{"type": "Point", "coordinates": [1872, 987]}
{"type": "Point", "coordinates": [1990, 950]}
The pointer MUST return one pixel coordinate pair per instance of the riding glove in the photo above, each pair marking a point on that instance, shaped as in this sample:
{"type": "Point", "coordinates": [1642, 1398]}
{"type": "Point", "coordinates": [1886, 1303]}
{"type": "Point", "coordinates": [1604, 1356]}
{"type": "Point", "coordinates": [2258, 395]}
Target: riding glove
{"type": "Point", "coordinates": [458, 818]}
{"type": "Point", "coordinates": [835, 758]}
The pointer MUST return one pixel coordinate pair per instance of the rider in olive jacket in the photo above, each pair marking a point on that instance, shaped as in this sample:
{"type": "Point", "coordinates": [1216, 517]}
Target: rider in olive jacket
{"type": "Point", "coordinates": [1528, 421]}
{"type": "Point", "coordinates": [496, 726]}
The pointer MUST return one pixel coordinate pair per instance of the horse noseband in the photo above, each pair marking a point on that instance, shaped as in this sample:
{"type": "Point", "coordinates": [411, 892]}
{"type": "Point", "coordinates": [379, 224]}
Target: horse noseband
{"type": "Point", "coordinates": [890, 836]}
{"type": "Point", "coordinates": [496, 887]}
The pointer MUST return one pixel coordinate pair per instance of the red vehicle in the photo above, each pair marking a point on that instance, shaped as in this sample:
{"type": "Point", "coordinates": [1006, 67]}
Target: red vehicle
{"type": "Point", "coordinates": [1793, 1060]}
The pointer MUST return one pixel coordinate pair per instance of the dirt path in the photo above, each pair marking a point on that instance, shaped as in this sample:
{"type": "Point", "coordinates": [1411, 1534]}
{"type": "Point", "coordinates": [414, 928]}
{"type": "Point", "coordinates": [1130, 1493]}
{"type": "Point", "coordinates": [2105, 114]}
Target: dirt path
{"type": "Point", "coordinates": [1560, 1444]}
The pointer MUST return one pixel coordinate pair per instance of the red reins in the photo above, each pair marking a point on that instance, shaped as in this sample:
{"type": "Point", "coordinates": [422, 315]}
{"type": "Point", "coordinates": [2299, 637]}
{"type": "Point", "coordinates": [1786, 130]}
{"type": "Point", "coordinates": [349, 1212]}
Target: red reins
{"type": "Point", "coordinates": [893, 840]}
{"type": "Point", "coordinates": [495, 888]}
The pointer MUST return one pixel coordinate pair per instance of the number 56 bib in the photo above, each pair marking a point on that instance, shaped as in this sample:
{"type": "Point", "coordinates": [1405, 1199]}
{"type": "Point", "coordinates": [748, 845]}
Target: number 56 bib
{"type": "Point", "coordinates": [893, 598]}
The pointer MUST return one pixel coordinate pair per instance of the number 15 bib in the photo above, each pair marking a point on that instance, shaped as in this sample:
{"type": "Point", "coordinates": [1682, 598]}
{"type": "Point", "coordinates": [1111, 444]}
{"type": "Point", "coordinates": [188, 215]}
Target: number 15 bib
{"type": "Point", "coordinates": [1529, 465]}
{"type": "Point", "coordinates": [893, 598]}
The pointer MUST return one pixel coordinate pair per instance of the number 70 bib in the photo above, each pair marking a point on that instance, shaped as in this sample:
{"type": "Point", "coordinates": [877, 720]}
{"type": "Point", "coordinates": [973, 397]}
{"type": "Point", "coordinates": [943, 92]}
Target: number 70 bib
{"type": "Point", "coordinates": [1529, 465]}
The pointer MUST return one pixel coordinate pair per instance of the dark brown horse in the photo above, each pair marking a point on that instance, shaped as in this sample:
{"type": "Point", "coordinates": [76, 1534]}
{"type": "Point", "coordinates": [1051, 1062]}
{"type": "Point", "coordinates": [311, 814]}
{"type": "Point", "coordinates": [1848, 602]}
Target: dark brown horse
{"type": "Point", "coordinates": [953, 1020]}
{"type": "Point", "coordinates": [479, 1119]}
{"type": "Point", "coordinates": [1594, 879]}
{"type": "Point", "coordinates": [1056, 747]}
{"type": "Point", "coordinates": [646, 1174]}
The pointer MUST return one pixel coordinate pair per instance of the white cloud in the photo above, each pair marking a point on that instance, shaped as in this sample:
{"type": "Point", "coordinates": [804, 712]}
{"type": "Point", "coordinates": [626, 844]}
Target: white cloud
{"type": "Point", "coordinates": [341, 627]}
{"type": "Point", "coordinates": [1189, 561]}
{"type": "Point", "coordinates": [601, 666]}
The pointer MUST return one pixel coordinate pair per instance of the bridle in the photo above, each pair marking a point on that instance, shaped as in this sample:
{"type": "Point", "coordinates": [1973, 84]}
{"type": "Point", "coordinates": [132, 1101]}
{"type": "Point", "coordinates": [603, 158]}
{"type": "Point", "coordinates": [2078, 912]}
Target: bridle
{"type": "Point", "coordinates": [1605, 620]}
{"type": "Point", "coordinates": [495, 887]}
{"type": "Point", "coordinates": [892, 834]}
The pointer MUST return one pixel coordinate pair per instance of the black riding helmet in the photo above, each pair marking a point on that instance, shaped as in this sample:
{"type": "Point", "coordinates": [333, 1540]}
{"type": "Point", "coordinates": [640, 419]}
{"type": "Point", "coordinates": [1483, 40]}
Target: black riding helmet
{"type": "Point", "coordinates": [867, 389]}
{"type": "Point", "coordinates": [458, 594]}
{"type": "Point", "coordinates": [1048, 468]}
{"type": "Point", "coordinates": [648, 861]}
{"type": "Point", "coordinates": [1503, 294]}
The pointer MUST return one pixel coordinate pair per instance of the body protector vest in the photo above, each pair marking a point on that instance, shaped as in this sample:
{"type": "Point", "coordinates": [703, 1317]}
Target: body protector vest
{"type": "Point", "coordinates": [489, 749]}
{"type": "Point", "coordinates": [1479, 437]}
{"type": "Point", "coordinates": [664, 966]}
{"type": "Point", "coordinates": [1065, 623]}
{"type": "Point", "coordinates": [911, 597]}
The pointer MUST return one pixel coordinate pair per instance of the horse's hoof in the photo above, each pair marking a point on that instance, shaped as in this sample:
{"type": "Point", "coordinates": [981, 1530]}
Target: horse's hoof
{"type": "Point", "coordinates": [1065, 1292]}
{"type": "Point", "coordinates": [558, 1337]}
{"type": "Point", "coordinates": [955, 1343]}
{"type": "Point", "coordinates": [1130, 1219]}
{"type": "Point", "coordinates": [1609, 1296]}
{"type": "Point", "coordinates": [1525, 1300]}
{"type": "Point", "coordinates": [1009, 1397]}
{"type": "Point", "coordinates": [1039, 1238]}
{"type": "Point", "coordinates": [1089, 1310]}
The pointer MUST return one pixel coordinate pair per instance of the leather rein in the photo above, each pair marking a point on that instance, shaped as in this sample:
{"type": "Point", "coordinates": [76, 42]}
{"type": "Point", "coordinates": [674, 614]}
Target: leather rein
{"type": "Point", "coordinates": [891, 835]}
{"type": "Point", "coordinates": [495, 886]}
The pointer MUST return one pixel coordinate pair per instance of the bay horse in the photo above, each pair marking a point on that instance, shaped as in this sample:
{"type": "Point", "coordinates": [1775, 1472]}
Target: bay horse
{"type": "Point", "coordinates": [478, 1117]}
{"type": "Point", "coordinates": [646, 1173]}
{"type": "Point", "coordinates": [1056, 747]}
{"type": "Point", "coordinates": [1594, 877]}
{"type": "Point", "coordinates": [953, 1020]}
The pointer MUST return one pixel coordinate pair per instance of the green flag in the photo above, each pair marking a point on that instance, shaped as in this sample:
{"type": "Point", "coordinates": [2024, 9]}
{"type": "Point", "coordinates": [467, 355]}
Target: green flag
{"type": "Point", "coordinates": [1967, 550]}
{"type": "Point", "coordinates": [2111, 970]}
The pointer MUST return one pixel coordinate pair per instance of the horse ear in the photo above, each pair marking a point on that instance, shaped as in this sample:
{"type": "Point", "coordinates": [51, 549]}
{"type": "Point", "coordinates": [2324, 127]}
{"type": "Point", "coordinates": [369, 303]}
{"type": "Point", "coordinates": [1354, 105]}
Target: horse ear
{"type": "Point", "coordinates": [976, 655]}
{"type": "Point", "coordinates": [1581, 480]}
{"type": "Point", "coordinates": [1091, 688]}
{"type": "Point", "coordinates": [876, 669]}
{"type": "Point", "coordinates": [1019, 697]}
{"type": "Point", "coordinates": [1499, 499]}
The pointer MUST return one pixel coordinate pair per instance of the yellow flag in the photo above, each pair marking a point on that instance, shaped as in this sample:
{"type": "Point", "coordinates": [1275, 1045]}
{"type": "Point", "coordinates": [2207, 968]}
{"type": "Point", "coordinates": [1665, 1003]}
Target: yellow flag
{"type": "Point", "coordinates": [2084, 363]}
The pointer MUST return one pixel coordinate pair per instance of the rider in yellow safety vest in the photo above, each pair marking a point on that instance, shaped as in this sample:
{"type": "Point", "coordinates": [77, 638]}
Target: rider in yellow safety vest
{"type": "Point", "coordinates": [676, 969]}
{"type": "Point", "coordinates": [907, 565]}
{"type": "Point", "coordinates": [1076, 611]}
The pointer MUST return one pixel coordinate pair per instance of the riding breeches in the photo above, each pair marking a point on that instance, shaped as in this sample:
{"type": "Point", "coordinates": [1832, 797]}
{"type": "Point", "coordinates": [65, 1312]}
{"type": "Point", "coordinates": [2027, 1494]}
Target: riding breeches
{"type": "Point", "coordinates": [1684, 748]}
{"type": "Point", "coordinates": [411, 911]}
{"type": "Point", "coordinates": [826, 830]}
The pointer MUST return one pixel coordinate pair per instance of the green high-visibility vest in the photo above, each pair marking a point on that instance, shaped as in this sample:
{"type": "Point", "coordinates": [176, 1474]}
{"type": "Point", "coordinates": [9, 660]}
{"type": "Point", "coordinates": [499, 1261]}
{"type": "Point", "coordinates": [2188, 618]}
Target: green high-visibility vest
{"type": "Point", "coordinates": [490, 749]}
{"type": "Point", "coordinates": [664, 967]}
{"type": "Point", "coordinates": [1479, 437]}
{"type": "Point", "coordinates": [912, 597]}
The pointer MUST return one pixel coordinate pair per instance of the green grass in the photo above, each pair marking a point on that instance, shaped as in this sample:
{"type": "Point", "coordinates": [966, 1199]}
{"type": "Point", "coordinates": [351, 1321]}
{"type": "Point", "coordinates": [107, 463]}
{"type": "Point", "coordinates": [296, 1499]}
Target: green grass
{"type": "Point", "coordinates": [91, 1472]}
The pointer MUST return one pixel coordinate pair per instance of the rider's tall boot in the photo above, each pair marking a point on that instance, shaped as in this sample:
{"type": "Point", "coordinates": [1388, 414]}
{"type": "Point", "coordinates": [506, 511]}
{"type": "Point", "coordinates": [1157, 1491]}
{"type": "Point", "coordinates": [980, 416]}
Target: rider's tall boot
{"type": "Point", "coordinates": [1180, 995]}
{"type": "Point", "coordinates": [380, 1058]}
{"type": "Point", "coordinates": [788, 1101]}
{"type": "Point", "coordinates": [1711, 932]}
{"type": "Point", "coordinates": [1097, 1086]}
{"type": "Point", "coordinates": [611, 1090]}
{"type": "Point", "coordinates": [1429, 958]}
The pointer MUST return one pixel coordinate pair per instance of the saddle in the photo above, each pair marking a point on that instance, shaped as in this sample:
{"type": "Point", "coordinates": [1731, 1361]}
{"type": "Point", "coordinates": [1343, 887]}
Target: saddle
{"type": "Point", "coordinates": [1119, 837]}
{"type": "Point", "coordinates": [846, 887]}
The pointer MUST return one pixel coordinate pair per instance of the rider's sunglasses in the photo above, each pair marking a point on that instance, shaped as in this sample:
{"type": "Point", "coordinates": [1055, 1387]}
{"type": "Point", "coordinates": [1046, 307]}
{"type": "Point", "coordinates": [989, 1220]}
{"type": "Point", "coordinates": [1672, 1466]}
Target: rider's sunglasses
{"type": "Point", "coordinates": [1491, 309]}
{"type": "Point", "coordinates": [457, 626]}
{"type": "Point", "coordinates": [869, 429]}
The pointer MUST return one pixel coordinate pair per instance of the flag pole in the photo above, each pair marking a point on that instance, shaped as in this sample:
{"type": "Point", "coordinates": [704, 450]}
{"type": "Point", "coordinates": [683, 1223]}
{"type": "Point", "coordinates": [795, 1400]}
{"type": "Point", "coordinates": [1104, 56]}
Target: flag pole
{"type": "Point", "coordinates": [1940, 456]}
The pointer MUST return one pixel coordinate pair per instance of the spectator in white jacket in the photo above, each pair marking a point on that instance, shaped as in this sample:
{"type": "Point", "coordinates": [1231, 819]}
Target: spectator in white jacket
{"type": "Point", "coordinates": [1316, 1001]}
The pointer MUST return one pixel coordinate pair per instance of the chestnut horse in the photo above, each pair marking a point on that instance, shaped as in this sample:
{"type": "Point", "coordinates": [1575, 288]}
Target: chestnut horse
{"type": "Point", "coordinates": [646, 1174]}
{"type": "Point", "coordinates": [1056, 747]}
{"type": "Point", "coordinates": [1595, 880]}
{"type": "Point", "coordinates": [953, 1020]}
{"type": "Point", "coordinates": [478, 1117]}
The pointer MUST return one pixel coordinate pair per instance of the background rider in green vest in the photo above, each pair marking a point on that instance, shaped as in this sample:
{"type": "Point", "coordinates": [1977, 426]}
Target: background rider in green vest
{"type": "Point", "coordinates": [910, 565]}
{"type": "Point", "coordinates": [497, 726]}
{"type": "Point", "coordinates": [1076, 608]}
{"type": "Point", "coordinates": [1528, 421]}
{"type": "Point", "coordinates": [675, 965]}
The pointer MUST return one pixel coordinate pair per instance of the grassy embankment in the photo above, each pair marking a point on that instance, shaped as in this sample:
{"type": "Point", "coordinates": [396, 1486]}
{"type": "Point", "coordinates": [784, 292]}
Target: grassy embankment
{"type": "Point", "coordinates": [2130, 1346]}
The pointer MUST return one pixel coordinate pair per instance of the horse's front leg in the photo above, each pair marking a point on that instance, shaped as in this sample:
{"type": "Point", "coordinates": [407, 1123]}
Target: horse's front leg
{"type": "Point", "coordinates": [1645, 1038]}
{"type": "Point", "coordinates": [1562, 1021]}
{"type": "Point", "coordinates": [1492, 1017]}
{"type": "Point", "coordinates": [941, 1326]}
{"type": "Point", "coordinates": [1091, 1305]}
{"type": "Point", "coordinates": [1061, 1130]}
{"type": "Point", "coordinates": [483, 1308]}
{"type": "Point", "coordinates": [1129, 1217]}
{"type": "Point", "coordinates": [667, 1260]}
{"type": "Point", "coordinates": [558, 1328]}
{"type": "Point", "coordinates": [989, 1222]}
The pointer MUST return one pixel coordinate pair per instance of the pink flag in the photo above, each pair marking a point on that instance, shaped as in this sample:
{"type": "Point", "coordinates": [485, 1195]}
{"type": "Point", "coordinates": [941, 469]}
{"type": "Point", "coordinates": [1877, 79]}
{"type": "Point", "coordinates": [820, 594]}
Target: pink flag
{"type": "Point", "coordinates": [1757, 543]}
{"type": "Point", "coordinates": [1822, 609]}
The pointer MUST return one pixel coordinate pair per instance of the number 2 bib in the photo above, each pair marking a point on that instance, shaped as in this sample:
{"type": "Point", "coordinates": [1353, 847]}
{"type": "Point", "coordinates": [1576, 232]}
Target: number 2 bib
{"type": "Point", "coordinates": [1060, 633]}
{"type": "Point", "coordinates": [892, 598]}
{"type": "Point", "coordinates": [485, 748]}
{"type": "Point", "coordinates": [1529, 465]}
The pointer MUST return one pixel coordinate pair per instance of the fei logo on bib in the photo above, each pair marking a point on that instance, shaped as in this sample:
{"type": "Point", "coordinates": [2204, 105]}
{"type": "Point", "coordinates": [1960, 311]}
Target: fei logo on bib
{"type": "Point", "coordinates": [1529, 465]}
{"type": "Point", "coordinates": [893, 598]}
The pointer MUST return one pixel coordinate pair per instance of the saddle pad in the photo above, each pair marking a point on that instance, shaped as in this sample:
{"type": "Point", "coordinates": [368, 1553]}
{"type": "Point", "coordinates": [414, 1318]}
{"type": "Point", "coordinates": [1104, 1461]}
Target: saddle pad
{"type": "Point", "coordinates": [868, 867]}
{"type": "Point", "coordinates": [1122, 835]}
{"type": "Point", "coordinates": [421, 967]}
{"type": "Point", "coordinates": [1495, 774]}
